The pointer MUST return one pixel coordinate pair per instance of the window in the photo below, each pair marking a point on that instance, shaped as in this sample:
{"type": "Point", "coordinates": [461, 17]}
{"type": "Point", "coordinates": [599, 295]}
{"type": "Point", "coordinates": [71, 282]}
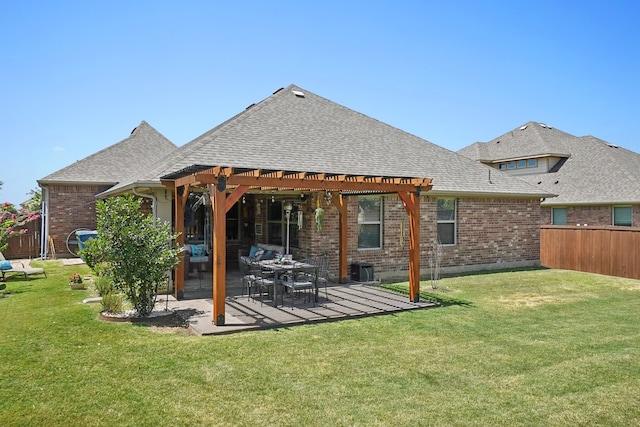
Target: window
{"type": "Point", "coordinates": [511, 165]}
{"type": "Point", "coordinates": [447, 221]}
{"type": "Point", "coordinates": [532, 163]}
{"type": "Point", "coordinates": [502, 166]}
{"type": "Point", "coordinates": [559, 216]}
{"type": "Point", "coordinates": [369, 222]}
{"type": "Point", "coordinates": [622, 215]}
{"type": "Point", "coordinates": [522, 164]}
{"type": "Point", "coordinates": [274, 222]}
{"type": "Point", "coordinates": [233, 223]}
{"type": "Point", "coordinates": [277, 225]}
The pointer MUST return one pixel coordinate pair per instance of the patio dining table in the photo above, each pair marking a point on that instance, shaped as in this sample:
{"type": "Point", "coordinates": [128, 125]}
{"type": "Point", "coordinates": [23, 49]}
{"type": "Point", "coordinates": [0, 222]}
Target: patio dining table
{"type": "Point", "coordinates": [280, 270]}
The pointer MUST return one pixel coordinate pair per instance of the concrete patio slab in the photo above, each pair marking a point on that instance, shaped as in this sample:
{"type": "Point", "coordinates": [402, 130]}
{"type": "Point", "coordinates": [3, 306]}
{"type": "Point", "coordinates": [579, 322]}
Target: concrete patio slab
{"type": "Point", "coordinates": [346, 301]}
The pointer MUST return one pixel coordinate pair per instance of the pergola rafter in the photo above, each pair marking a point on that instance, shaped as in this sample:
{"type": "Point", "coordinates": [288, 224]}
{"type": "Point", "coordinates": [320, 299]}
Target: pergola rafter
{"type": "Point", "coordinates": [226, 185]}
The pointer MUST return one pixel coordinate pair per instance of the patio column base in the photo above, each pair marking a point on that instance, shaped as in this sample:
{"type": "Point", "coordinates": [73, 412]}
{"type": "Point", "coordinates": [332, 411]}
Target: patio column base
{"type": "Point", "coordinates": [220, 320]}
{"type": "Point", "coordinates": [180, 295]}
{"type": "Point", "coordinates": [416, 298]}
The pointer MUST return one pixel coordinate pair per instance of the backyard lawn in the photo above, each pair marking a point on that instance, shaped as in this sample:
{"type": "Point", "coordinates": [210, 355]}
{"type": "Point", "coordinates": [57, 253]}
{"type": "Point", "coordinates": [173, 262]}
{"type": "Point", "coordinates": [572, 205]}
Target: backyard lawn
{"type": "Point", "coordinates": [542, 347]}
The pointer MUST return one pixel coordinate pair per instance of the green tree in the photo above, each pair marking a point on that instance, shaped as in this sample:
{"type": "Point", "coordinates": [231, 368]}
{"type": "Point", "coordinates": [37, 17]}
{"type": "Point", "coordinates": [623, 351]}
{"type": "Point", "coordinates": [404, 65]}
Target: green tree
{"type": "Point", "coordinates": [131, 250]}
{"type": "Point", "coordinates": [34, 204]}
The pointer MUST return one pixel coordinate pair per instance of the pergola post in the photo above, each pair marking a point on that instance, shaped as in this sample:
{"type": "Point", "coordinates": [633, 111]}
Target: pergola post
{"type": "Point", "coordinates": [341, 203]}
{"type": "Point", "coordinates": [412, 206]}
{"type": "Point", "coordinates": [181, 194]}
{"type": "Point", "coordinates": [218, 195]}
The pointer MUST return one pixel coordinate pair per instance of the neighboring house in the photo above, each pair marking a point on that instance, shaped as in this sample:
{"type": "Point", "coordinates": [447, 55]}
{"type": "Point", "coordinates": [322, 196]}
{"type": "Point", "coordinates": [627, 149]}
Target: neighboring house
{"type": "Point", "coordinates": [596, 181]}
{"type": "Point", "coordinates": [483, 218]}
{"type": "Point", "coordinates": [69, 195]}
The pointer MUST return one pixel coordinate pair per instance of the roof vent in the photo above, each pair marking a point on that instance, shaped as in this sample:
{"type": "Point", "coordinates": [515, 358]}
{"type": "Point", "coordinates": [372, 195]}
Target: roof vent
{"type": "Point", "coordinates": [498, 142]}
{"type": "Point", "coordinates": [250, 106]}
{"type": "Point", "coordinates": [523, 127]}
{"type": "Point", "coordinates": [543, 125]}
{"type": "Point", "coordinates": [298, 93]}
{"type": "Point", "coordinates": [134, 129]}
{"type": "Point", "coordinates": [278, 90]}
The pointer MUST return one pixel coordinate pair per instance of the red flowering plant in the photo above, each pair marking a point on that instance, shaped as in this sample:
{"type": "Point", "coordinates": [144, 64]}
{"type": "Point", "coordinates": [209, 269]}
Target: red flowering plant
{"type": "Point", "coordinates": [13, 222]}
{"type": "Point", "coordinates": [75, 278]}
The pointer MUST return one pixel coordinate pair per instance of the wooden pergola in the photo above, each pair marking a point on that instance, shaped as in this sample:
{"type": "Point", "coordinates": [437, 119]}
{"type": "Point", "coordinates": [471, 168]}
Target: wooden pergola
{"type": "Point", "coordinates": [227, 185]}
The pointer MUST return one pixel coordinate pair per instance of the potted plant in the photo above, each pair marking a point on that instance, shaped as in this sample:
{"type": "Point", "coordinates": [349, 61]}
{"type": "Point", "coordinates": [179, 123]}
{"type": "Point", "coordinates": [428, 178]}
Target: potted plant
{"type": "Point", "coordinates": [76, 282]}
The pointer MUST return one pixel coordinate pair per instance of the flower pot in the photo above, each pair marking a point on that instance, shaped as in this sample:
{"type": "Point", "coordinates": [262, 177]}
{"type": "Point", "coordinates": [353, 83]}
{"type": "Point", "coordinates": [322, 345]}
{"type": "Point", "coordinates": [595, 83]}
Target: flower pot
{"type": "Point", "coordinates": [76, 286]}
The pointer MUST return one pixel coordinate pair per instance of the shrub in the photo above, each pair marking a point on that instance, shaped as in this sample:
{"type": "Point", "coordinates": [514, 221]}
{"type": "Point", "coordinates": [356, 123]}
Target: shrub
{"type": "Point", "coordinates": [131, 250]}
{"type": "Point", "coordinates": [112, 302]}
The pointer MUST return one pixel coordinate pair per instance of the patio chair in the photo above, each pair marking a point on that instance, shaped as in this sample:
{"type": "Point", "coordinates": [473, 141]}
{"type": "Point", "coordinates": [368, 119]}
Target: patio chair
{"type": "Point", "coordinates": [250, 273]}
{"type": "Point", "coordinates": [322, 261]}
{"type": "Point", "coordinates": [264, 282]}
{"type": "Point", "coordinates": [302, 279]}
{"type": "Point", "coordinates": [20, 268]}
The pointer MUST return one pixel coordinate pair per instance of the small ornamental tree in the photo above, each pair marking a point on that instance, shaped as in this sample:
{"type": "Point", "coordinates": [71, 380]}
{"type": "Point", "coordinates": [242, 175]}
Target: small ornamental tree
{"type": "Point", "coordinates": [131, 250]}
{"type": "Point", "coordinates": [13, 222]}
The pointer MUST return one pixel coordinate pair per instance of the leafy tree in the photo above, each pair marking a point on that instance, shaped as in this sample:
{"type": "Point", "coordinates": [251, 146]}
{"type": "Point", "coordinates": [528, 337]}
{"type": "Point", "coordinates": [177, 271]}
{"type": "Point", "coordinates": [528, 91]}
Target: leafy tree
{"type": "Point", "coordinates": [131, 250]}
{"type": "Point", "coordinates": [34, 204]}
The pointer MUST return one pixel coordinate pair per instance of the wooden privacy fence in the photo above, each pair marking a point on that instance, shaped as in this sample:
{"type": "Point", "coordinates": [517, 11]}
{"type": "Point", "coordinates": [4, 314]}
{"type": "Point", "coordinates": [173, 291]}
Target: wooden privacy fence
{"type": "Point", "coordinates": [614, 251]}
{"type": "Point", "coordinates": [26, 245]}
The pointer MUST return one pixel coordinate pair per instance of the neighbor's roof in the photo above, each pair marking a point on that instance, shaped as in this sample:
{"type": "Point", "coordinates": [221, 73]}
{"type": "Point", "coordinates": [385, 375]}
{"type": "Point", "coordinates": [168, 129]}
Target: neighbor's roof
{"type": "Point", "coordinates": [141, 149]}
{"type": "Point", "coordinates": [595, 172]}
{"type": "Point", "coordinates": [296, 130]}
{"type": "Point", "coordinates": [529, 140]}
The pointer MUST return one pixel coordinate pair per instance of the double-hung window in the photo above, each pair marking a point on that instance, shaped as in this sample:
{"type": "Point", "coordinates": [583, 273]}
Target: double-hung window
{"type": "Point", "coordinates": [622, 215]}
{"type": "Point", "coordinates": [447, 221]}
{"type": "Point", "coordinates": [369, 222]}
{"type": "Point", "coordinates": [559, 216]}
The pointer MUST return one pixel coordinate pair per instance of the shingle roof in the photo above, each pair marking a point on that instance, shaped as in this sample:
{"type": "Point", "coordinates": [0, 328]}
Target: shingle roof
{"type": "Point", "coordinates": [115, 163]}
{"type": "Point", "coordinates": [529, 140]}
{"type": "Point", "coordinates": [595, 172]}
{"type": "Point", "coordinates": [297, 130]}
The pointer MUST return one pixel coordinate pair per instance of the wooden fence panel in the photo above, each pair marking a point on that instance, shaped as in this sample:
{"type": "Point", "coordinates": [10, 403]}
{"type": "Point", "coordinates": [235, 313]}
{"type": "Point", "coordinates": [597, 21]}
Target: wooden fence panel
{"type": "Point", "coordinates": [25, 246]}
{"type": "Point", "coordinates": [614, 251]}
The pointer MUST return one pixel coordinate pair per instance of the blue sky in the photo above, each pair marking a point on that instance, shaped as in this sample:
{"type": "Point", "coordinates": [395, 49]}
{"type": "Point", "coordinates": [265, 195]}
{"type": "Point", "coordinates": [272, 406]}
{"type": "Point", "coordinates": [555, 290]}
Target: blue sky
{"type": "Point", "coordinates": [78, 76]}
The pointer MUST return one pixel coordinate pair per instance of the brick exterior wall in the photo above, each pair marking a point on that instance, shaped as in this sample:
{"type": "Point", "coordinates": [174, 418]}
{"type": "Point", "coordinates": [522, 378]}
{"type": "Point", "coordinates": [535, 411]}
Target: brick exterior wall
{"type": "Point", "coordinates": [590, 215]}
{"type": "Point", "coordinates": [489, 231]}
{"type": "Point", "coordinates": [72, 207]}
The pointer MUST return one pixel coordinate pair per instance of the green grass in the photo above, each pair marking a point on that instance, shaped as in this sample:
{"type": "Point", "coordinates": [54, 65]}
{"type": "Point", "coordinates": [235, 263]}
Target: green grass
{"type": "Point", "coordinates": [545, 347]}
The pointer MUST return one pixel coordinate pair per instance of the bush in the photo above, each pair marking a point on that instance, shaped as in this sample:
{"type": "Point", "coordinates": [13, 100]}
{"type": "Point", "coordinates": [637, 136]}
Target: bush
{"type": "Point", "coordinates": [103, 285]}
{"type": "Point", "coordinates": [112, 302]}
{"type": "Point", "coordinates": [131, 250]}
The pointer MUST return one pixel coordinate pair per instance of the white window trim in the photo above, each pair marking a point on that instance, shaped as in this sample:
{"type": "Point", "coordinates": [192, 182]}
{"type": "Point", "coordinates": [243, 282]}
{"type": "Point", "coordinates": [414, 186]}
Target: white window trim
{"type": "Point", "coordinates": [448, 221]}
{"type": "Point", "coordinates": [379, 222]}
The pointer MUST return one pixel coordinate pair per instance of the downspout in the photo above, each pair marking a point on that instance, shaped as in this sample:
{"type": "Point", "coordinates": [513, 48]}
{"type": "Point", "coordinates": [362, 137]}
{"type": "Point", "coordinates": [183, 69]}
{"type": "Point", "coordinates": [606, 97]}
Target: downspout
{"type": "Point", "coordinates": [44, 228]}
{"type": "Point", "coordinates": [154, 202]}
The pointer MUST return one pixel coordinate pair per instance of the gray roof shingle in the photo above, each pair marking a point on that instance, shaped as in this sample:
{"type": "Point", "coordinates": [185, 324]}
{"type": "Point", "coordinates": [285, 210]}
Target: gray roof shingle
{"type": "Point", "coordinates": [595, 172]}
{"type": "Point", "coordinates": [309, 133]}
{"type": "Point", "coordinates": [141, 149]}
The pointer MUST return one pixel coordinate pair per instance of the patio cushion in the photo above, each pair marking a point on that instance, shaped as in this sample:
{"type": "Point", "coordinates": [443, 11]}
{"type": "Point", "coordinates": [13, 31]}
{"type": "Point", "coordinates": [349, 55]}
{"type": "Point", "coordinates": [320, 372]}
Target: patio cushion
{"type": "Point", "coordinates": [5, 265]}
{"type": "Point", "coordinates": [197, 250]}
{"type": "Point", "coordinates": [252, 251]}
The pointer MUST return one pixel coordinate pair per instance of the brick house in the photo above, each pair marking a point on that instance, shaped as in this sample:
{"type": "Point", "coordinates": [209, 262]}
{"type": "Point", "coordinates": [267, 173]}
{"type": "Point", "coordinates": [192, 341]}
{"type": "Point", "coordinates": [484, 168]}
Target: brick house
{"type": "Point", "coordinates": [596, 182]}
{"type": "Point", "coordinates": [69, 194]}
{"type": "Point", "coordinates": [482, 218]}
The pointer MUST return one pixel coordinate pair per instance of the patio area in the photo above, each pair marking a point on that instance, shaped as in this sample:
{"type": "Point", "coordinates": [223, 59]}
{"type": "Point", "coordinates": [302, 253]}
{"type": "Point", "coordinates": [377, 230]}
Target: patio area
{"type": "Point", "coordinates": [339, 302]}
